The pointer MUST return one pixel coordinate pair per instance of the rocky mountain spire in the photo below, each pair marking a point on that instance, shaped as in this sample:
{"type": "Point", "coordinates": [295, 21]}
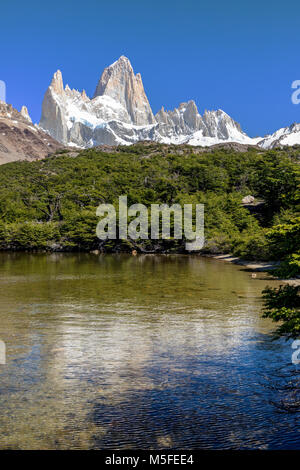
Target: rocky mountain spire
{"type": "Point", "coordinates": [25, 114]}
{"type": "Point", "coordinates": [53, 115]}
{"type": "Point", "coordinates": [120, 83]}
{"type": "Point", "coordinates": [57, 84]}
{"type": "Point", "coordinates": [183, 120]}
{"type": "Point", "coordinates": [120, 113]}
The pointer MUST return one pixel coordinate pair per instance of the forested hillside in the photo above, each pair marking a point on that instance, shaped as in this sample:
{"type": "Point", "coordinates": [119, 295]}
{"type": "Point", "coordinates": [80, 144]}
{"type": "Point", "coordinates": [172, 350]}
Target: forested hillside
{"type": "Point", "coordinates": [51, 204]}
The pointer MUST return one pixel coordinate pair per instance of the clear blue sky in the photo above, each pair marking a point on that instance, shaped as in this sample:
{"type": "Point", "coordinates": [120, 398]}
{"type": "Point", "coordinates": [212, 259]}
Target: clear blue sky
{"type": "Point", "coordinates": [240, 56]}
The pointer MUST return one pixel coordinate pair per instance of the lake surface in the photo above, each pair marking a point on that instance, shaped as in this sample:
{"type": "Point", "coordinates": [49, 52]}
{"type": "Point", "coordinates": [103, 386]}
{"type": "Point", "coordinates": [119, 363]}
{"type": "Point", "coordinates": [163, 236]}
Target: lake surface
{"type": "Point", "coordinates": [116, 351]}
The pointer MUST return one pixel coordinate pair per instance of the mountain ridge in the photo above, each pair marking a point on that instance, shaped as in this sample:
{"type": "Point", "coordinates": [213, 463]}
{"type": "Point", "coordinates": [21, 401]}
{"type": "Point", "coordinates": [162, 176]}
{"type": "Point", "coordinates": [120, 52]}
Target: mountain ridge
{"type": "Point", "coordinates": [20, 139]}
{"type": "Point", "coordinates": [119, 113]}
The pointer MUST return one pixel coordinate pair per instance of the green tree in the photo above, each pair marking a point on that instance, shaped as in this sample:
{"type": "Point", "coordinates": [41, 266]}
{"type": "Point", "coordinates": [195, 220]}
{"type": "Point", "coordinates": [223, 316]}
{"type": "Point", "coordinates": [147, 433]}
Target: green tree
{"type": "Point", "coordinates": [283, 305]}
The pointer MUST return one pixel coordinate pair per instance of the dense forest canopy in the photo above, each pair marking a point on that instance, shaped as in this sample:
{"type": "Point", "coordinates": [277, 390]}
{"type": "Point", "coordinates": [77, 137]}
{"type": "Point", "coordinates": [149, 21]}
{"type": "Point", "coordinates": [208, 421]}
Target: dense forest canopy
{"type": "Point", "coordinates": [51, 204]}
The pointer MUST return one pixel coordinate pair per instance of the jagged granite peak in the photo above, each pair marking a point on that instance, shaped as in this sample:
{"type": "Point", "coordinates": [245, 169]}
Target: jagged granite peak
{"type": "Point", "coordinates": [57, 83]}
{"type": "Point", "coordinates": [25, 113]}
{"type": "Point", "coordinates": [9, 112]}
{"type": "Point", "coordinates": [183, 120]}
{"type": "Point", "coordinates": [53, 119]}
{"type": "Point", "coordinates": [120, 113]}
{"type": "Point", "coordinates": [113, 116]}
{"type": "Point", "coordinates": [219, 124]}
{"type": "Point", "coordinates": [84, 95]}
{"type": "Point", "coordinates": [119, 82]}
{"type": "Point", "coordinates": [286, 136]}
{"type": "Point", "coordinates": [191, 115]}
{"type": "Point", "coordinates": [71, 117]}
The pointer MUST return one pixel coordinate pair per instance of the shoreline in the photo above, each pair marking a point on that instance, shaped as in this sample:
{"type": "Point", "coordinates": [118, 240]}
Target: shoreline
{"type": "Point", "coordinates": [255, 266]}
{"type": "Point", "coordinates": [259, 266]}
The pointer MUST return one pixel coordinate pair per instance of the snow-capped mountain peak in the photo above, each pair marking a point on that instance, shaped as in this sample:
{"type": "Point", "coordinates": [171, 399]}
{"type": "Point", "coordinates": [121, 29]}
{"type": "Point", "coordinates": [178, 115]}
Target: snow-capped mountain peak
{"type": "Point", "coordinates": [119, 82]}
{"type": "Point", "coordinates": [286, 136]}
{"type": "Point", "coordinates": [120, 113]}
